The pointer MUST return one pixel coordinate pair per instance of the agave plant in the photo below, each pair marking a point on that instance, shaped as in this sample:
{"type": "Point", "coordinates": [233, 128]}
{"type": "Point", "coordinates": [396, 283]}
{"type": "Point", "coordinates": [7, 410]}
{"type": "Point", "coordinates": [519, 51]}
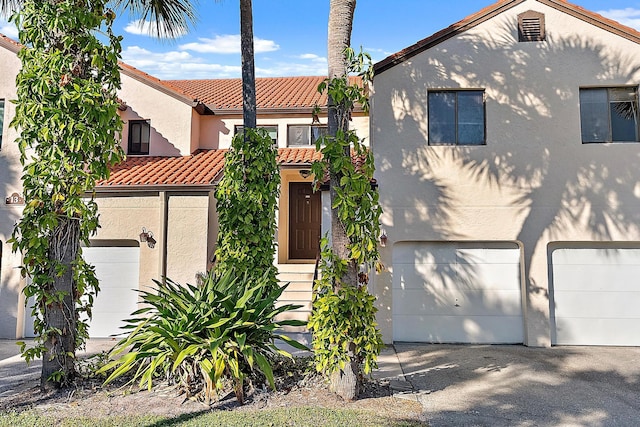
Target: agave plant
{"type": "Point", "coordinates": [198, 336]}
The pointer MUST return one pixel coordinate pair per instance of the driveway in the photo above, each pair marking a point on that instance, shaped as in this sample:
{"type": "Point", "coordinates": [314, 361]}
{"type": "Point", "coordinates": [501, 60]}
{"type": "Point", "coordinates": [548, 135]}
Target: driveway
{"type": "Point", "coordinates": [462, 385]}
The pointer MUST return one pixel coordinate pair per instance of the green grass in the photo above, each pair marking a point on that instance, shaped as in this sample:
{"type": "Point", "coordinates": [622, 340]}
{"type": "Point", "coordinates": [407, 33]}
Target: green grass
{"type": "Point", "coordinates": [299, 417]}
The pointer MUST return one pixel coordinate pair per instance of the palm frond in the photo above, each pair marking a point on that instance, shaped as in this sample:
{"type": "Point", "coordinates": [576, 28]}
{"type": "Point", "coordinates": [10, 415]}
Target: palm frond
{"type": "Point", "coordinates": [170, 18]}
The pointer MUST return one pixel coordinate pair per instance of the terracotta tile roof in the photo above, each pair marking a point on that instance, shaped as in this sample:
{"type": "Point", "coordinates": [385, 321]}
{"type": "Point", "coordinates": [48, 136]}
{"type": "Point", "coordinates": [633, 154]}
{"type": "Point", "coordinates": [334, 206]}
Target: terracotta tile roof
{"type": "Point", "coordinates": [200, 168]}
{"type": "Point", "coordinates": [272, 93]}
{"type": "Point", "coordinates": [298, 155]}
{"type": "Point", "coordinates": [495, 9]}
{"type": "Point", "coordinates": [9, 43]}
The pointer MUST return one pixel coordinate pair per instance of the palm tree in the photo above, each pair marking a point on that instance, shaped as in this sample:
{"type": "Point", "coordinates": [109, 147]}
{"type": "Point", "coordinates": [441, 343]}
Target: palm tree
{"type": "Point", "coordinates": [346, 382]}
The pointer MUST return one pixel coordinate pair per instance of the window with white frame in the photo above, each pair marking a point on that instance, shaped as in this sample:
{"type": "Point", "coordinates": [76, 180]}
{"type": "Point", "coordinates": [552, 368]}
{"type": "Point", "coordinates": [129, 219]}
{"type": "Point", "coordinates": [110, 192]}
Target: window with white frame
{"type": "Point", "coordinates": [456, 117]}
{"type": "Point", "coordinates": [139, 134]}
{"type": "Point", "coordinates": [271, 130]}
{"type": "Point", "coordinates": [609, 114]}
{"type": "Point", "coordinates": [305, 135]}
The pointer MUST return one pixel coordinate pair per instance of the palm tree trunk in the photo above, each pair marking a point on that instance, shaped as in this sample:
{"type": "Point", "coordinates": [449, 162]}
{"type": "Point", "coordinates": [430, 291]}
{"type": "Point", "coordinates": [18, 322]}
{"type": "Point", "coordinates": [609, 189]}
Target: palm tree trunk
{"type": "Point", "coordinates": [346, 382]}
{"type": "Point", "coordinates": [60, 316]}
{"type": "Point", "coordinates": [248, 67]}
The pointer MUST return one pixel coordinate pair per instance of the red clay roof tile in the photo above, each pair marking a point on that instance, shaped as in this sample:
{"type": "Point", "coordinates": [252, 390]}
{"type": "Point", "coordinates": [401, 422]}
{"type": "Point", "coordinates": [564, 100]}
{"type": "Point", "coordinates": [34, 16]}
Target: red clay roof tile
{"type": "Point", "coordinates": [281, 93]}
{"type": "Point", "coordinates": [199, 169]}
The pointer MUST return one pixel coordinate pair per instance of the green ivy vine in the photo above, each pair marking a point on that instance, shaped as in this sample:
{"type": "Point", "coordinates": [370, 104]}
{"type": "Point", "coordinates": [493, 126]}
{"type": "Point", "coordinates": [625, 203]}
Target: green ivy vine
{"type": "Point", "coordinates": [66, 114]}
{"type": "Point", "coordinates": [343, 318]}
{"type": "Point", "coordinates": [247, 199]}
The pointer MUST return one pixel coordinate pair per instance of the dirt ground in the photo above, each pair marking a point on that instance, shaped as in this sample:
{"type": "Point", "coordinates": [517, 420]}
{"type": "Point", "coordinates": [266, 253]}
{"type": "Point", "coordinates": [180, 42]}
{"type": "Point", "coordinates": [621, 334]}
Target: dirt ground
{"type": "Point", "coordinates": [89, 398]}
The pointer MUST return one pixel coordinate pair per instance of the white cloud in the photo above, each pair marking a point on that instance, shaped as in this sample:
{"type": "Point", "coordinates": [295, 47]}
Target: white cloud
{"type": "Point", "coordinates": [176, 64]}
{"type": "Point", "coordinates": [8, 29]}
{"type": "Point", "coordinates": [629, 16]}
{"type": "Point", "coordinates": [313, 57]}
{"type": "Point", "coordinates": [150, 28]}
{"type": "Point", "coordinates": [229, 43]}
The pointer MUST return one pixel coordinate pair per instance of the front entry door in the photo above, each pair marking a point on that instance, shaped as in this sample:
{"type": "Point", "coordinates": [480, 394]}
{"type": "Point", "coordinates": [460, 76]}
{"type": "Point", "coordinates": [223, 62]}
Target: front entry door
{"type": "Point", "coordinates": [305, 216]}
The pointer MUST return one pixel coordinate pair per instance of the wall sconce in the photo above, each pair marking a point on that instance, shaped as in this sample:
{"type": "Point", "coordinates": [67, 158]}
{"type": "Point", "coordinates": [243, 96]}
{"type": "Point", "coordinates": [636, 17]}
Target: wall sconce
{"type": "Point", "coordinates": [147, 236]}
{"type": "Point", "coordinates": [305, 173]}
{"type": "Point", "coordinates": [383, 239]}
{"type": "Point", "coordinates": [151, 242]}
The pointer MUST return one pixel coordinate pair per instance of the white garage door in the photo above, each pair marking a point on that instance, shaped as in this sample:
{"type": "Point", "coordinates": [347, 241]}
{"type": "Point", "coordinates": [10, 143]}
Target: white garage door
{"type": "Point", "coordinates": [595, 296]}
{"type": "Point", "coordinates": [117, 269]}
{"type": "Point", "coordinates": [457, 292]}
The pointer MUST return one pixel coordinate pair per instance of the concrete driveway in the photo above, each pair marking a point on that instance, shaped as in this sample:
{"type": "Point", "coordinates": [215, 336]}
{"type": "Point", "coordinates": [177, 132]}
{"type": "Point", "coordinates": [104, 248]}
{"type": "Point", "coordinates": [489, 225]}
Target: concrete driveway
{"type": "Point", "coordinates": [462, 385]}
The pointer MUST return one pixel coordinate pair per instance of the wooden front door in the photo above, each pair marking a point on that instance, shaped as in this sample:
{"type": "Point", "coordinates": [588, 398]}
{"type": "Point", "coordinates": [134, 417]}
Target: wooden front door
{"type": "Point", "coordinates": [305, 217]}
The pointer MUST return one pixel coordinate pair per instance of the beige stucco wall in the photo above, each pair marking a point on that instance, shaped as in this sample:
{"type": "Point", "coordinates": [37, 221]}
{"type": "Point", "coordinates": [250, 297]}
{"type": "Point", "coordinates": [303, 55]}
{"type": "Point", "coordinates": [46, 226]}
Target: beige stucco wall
{"type": "Point", "coordinates": [170, 118]}
{"type": "Point", "coordinates": [11, 314]}
{"type": "Point", "coordinates": [217, 131]}
{"type": "Point", "coordinates": [185, 223]}
{"type": "Point", "coordinates": [534, 182]}
{"type": "Point", "coordinates": [123, 216]}
{"type": "Point", "coordinates": [187, 238]}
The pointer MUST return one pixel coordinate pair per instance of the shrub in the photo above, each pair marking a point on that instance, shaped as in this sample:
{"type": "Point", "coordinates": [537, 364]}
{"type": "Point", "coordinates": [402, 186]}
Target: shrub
{"type": "Point", "coordinates": [197, 336]}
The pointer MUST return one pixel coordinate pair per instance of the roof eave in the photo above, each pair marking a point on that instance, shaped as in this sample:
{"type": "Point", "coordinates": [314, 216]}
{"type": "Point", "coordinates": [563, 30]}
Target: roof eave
{"type": "Point", "coordinates": [101, 189]}
{"type": "Point", "coordinates": [442, 35]}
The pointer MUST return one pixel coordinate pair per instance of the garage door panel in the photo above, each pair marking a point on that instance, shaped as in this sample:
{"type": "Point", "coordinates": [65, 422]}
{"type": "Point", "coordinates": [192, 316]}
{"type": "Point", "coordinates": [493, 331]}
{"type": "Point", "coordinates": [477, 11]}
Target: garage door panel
{"type": "Point", "coordinates": [456, 329]}
{"type": "Point", "coordinates": [442, 276]}
{"type": "Point", "coordinates": [469, 303]}
{"type": "Point", "coordinates": [117, 269]}
{"type": "Point", "coordinates": [599, 277]}
{"type": "Point", "coordinates": [596, 296]}
{"type": "Point", "coordinates": [614, 332]}
{"type": "Point", "coordinates": [595, 256]}
{"type": "Point", "coordinates": [623, 305]}
{"type": "Point", "coordinates": [415, 253]}
{"type": "Point", "coordinates": [457, 292]}
{"type": "Point", "coordinates": [488, 256]}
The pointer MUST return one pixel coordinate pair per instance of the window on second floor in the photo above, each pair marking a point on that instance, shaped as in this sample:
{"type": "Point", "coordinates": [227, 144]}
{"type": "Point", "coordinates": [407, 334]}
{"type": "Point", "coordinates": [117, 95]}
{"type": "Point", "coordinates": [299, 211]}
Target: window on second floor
{"type": "Point", "coordinates": [609, 114]}
{"type": "Point", "coordinates": [139, 131]}
{"type": "Point", "coordinates": [305, 135]}
{"type": "Point", "coordinates": [1, 119]}
{"type": "Point", "coordinates": [456, 117]}
{"type": "Point", "coordinates": [271, 130]}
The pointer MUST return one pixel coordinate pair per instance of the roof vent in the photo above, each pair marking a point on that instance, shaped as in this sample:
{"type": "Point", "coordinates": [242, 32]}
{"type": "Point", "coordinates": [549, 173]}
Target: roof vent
{"type": "Point", "coordinates": [531, 27]}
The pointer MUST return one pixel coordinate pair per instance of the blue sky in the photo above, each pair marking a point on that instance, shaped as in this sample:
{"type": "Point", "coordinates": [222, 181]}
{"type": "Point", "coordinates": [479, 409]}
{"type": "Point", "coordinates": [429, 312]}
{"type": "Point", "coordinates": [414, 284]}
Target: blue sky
{"type": "Point", "coordinates": [290, 35]}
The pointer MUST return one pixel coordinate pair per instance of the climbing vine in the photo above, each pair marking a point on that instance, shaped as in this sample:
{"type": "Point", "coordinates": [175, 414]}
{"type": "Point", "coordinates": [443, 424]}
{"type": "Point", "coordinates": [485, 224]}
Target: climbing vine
{"type": "Point", "coordinates": [343, 318]}
{"type": "Point", "coordinates": [247, 199]}
{"type": "Point", "coordinates": [66, 113]}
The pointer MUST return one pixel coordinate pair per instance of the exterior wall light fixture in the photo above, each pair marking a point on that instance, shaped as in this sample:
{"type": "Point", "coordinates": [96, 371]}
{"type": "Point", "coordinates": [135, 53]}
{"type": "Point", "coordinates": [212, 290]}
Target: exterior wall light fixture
{"type": "Point", "coordinates": [147, 236]}
{"type": "Point", "coordinates": [383, 239]}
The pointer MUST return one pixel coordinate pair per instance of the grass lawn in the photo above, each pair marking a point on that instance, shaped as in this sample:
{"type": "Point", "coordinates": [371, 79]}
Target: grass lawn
{"type": "Point", "coordinates": [299, 417]}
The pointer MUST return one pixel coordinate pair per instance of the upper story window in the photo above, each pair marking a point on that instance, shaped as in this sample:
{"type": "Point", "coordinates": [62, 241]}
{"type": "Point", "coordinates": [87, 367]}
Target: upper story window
{"type": "Point", "coordinates": [531, 27]}
{"type": "Point", "coordinates": [1, 119]}
{"type": "Point", "coordinates": [271, 130]}
{"type": "Point", "coordinates": [139, 131]}
{"type": "Point", "coordinates": [609, 114]}
{"type": "Point", "coordinates": [305, 135]}
{"type": "Point", "coordinates": [456, 117]}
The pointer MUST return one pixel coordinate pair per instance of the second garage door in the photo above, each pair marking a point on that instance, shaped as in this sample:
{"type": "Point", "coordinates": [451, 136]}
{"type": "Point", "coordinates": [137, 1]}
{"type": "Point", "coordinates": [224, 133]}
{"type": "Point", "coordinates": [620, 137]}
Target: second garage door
{"type": "Point", "coordinates": [595, 296]}
{"type": "Point", "coordinates": [457, 292]}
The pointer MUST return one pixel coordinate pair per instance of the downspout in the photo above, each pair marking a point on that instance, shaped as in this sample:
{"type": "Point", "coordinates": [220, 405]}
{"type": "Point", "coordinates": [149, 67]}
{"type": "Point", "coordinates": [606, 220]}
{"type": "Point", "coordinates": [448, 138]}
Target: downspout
{"type": "Point", "coordinates": [164, 223]}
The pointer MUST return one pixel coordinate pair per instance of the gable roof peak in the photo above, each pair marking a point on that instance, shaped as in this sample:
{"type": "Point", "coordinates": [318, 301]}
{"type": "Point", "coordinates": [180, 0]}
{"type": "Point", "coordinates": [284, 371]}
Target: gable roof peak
{"type": "Point", "coordinates": [494, 10]}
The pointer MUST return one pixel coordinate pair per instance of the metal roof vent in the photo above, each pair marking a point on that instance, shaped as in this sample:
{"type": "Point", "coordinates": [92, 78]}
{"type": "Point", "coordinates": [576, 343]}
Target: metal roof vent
{"type": "Point", "coordinates": [531, 27]}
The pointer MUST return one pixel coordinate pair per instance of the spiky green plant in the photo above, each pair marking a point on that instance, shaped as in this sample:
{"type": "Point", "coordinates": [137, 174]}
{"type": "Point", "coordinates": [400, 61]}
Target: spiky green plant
{"type": "Point", "coordinates": [197, 336]}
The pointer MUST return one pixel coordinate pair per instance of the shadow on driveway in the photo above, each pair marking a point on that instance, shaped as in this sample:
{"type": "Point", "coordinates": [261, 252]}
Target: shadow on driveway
{"type": "Point", "coordinates": [463, 385]}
